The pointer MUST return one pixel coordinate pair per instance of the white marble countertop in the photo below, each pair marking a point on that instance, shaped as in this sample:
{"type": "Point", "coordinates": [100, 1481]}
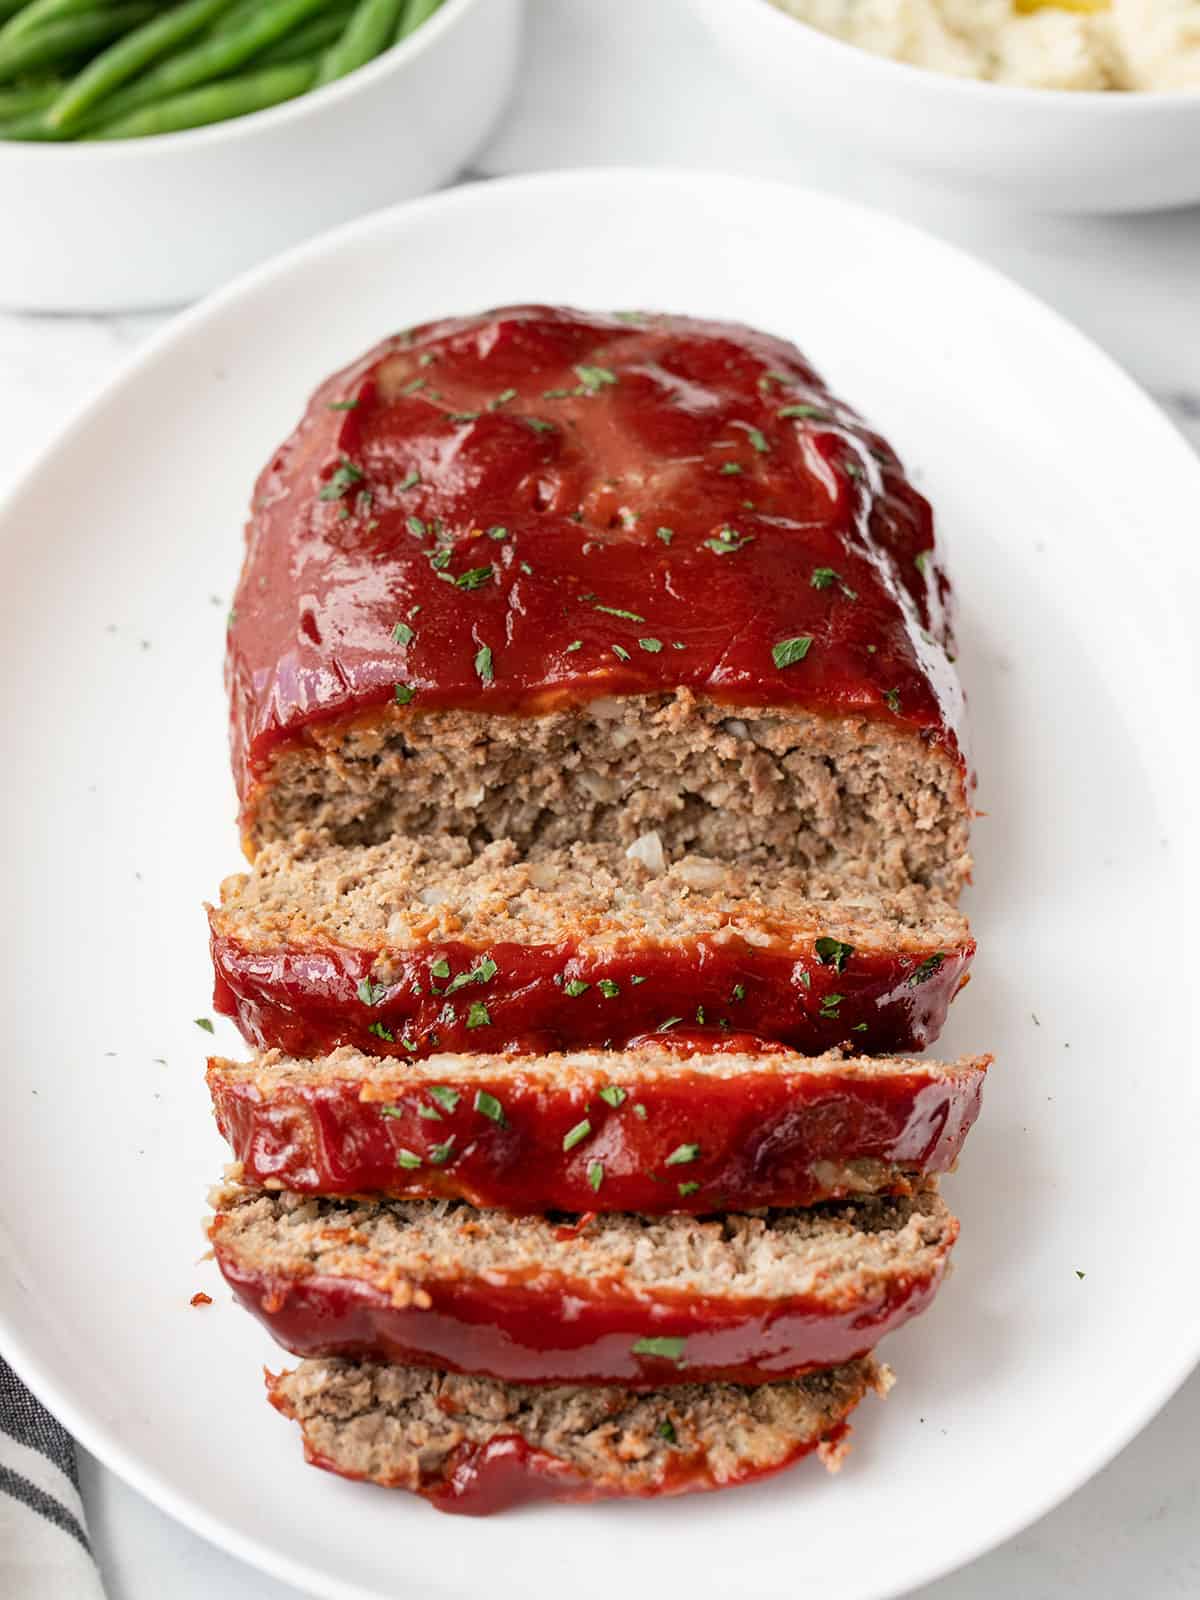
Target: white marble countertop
{"type": "Point", "coordinates": [636, 82]}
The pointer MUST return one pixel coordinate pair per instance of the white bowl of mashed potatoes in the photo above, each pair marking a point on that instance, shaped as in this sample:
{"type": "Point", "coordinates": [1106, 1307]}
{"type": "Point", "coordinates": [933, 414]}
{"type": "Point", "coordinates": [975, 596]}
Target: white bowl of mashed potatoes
{"type": "Point", "coordinates": [1080, 105]}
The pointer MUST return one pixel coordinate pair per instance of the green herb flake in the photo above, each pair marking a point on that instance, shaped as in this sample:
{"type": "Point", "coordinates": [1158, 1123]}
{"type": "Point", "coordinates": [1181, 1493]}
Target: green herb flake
{"type": "Point", "coordinates": [344, 478]}
{"type": "Point", "coordinates": [688, 1188]}
{"type": "Point", "coordinates": [759, 440]}
{"type": "Point", "coordinates": [613, 1095]}
{"type": "Point", "coordinates": [665, 534]}
{"type": "Point", "coordinates": [1080, 1275]}
{"type": "Point", "coordinates": [488, 1106]}
{"type": "Point", "coordinates": [405, 693]}
{"type": "Point", "coordinates": [370, 993]}
{"type": "Point", "coordinates": [802, 411]}
{"type": "Point", "coordinates": [392, 1112]}
{"type": "Point", "coordinates": [446, 1097]}
{"type": "Point", "coordinates": [806, 979]}
{"type": "Point", "coordinates": [595, 1175]}
{"type": "Point", "coordinates": [608, 988]}
{"type": "Point", "coordinates": [788, 651]}
{"type": "Point", "coordinates": [682, 1154]}
{"type": "Point", "coordinates": [666, 1430]}
{"type": "Point", "coordinates": [575, 644]}
{"type": "Point", "coordinates": [204, 1022]}
{"type": "Point", "coordinates": [527, 569]}
{"type": "Point", "coordinates": [440, 968]}
{"type": "Point", "coordinates": [727, 541]}
{"type": "Point", "coordinates": [440, 1153]}
{"type": "Point", "coordinates": [538, 425]}
{"type": "Point", "coordinates": [576, 1135]}
{"type": "Point", "coordinates": [927, 968]}
{"type": "Point", "coordinates": [502, 399]}
{"type": "Point", "coordinates": [410, 482]}
{"type": "Point", "coordinates": [823, 577]}
{"type": "Point", "coordinates": [474, 578]}
{"type": "Point", "coordinates": [497, 532]}
{"type": "Point", "coordinates": [342, 405]}
{"type": "Point", "coordinates": [739, 991]}
{"type": "Point", "coordinates": [833, 953]}
{"type": "Point", "coordinates": [664, 1347]}
{"type": "Point", "coordinates": [576, 987]}
{"type": "Point", "coordinates": [637, 979]}
{"type": "Point", "coordinates": [462, 416]}
{"type": "Point", "coordinates": [429, 1113]}
{"type": "Point", "coordinates": [412, 386]}
{"type": "Point", "coordinates": [416, 527]}
{"type": "Point", "coordinates": [402, 634]}
{"type": "Point", "coordinates": [620, 652]}
{"type": "Point", "coordinates": [594, 379]}
{"type": "Point", "coordinates": [484, 670]}
{"type": "Point", "coordinates": [859, 1027]}
{"type": "Point", "coordinates": [652, 646]}
{"type": "Point", "coordinates": [921, 562]}
{"type": "Point", "coordinates": [665, 1027]}
{"type": "Point", "coordinates": [700, 1015]}
{"type": "Point", "coordinates": [477, 1016]}
{"type": "Point", "coordinates": [830, 1004]}
{"type": "Point", "coordinates": [639, 1110]}
{"type": "Point", "coordinates": [407, 1158]}
{"type": "Point", "coordinates": [381, 1032]}
{"type": "Point", "coordinates": [892, 700]}
{"type": "Point", "coordinates": [409, 1044]}
{"type": "Point", "coordinates": [615, 611]}
{"type": "Point", "coordinates": [731, 469]}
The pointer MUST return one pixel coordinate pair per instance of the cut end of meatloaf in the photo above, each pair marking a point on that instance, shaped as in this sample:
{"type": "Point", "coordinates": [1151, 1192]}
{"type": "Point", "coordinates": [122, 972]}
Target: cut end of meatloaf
{"type": "Point", "coordinates": [837, 1255]}
{"type": "Point", "coordinates": [850, 799]}
{"type": "Point", "coordinates": [476, 1445]}
{"type": "Point", "coordinates": [408, 892]}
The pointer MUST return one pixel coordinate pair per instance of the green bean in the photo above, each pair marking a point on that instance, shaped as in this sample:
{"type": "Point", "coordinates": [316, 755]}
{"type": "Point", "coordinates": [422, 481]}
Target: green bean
{"type": "Point", "coordinates": [215, 102]}
{"type": "Point", "coordinates": [126, 58]}
{"type": "Point", "coordinates": [370, 29]}
{"type": "Point", "coordinates": [32, 97]}
{"type": "Point", "coordinates": [216, 56]}
{"type": "Point", "coordinates": [8, 7]}
{"type": "Point", "coordinates": [415, 13]}
{"type": "Point", "coordinates": [36, 13]}
{"type": "Point", "coordinates": [72, 36]}
{"type": "Point", "coordinates": [307, 41]}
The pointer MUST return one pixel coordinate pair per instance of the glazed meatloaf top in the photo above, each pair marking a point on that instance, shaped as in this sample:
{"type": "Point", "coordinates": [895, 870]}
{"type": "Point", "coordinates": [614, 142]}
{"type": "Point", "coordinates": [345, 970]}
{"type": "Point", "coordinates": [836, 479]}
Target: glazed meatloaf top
{"type": "Point", "coordinates": [537, 511]}
{"type": "Point", "coordinates": [475, 1445]}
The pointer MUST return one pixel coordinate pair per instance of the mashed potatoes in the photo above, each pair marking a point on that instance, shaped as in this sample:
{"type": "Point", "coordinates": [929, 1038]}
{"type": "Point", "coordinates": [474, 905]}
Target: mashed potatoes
{"type": "Point", "coordinates": [1074, 44]}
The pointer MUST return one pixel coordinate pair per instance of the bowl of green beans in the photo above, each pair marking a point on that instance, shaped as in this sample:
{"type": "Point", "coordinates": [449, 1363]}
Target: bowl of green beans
{"type": "Point", "coordinates": [149, 151]}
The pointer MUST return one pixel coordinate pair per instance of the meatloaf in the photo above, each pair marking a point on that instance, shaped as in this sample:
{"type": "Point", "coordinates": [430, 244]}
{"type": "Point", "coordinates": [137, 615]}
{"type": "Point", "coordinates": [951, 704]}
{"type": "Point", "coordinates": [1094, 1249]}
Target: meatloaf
{"type": "Point", "coordinates": [418, 945]}
{"type": "Point", "coordinates": [550, 575]}
{"type": "Point", "coordinates": [475, 1446]}
{"type": "Point", "coordinates": [614, 1298]}
{"type": "Point", "coordinates": [596, 1131]}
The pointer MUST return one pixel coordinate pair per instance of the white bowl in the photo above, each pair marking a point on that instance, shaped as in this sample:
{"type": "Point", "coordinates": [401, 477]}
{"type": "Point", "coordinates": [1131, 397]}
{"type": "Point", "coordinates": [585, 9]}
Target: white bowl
{"type": "Point", "coordinates": [152, 222]}
{"type": "Point", "coordinates": [1049, 149]}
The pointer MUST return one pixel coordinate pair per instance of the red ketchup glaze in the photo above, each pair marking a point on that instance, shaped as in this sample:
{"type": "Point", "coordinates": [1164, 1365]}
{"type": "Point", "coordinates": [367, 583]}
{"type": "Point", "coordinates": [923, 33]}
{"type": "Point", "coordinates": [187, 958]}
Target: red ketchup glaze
{"type": "Point", "coordinates": [767, 1138]}
{"type": "Point", "coordinates": [553, 1329]}
{"type": "Point", "coordinates": [307, 1002]}
{"type": "Point", "coordinates": [580, 436]}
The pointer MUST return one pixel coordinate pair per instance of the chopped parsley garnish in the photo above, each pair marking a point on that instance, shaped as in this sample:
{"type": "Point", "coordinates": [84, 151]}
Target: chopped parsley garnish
{"type": "Point", "coordinates": [474, 577]}
{"type": "Point", "coordinates": [727, 541]}
{"type": "Point", "coordinates": [409, 1044]}
{"type": "Point", "coordinates": [370, 993]}
{"type": "Point", "coordinates": [802, 411]}
{"type": "Point", "coordinates": [666, 1348]}
{"type": "Point", "coordinates": [739, 991]}
{"type": "Point", "coordinates": [404, 693]}
{"type": "Point", "coordinates": [497, 532]}
{"type": "Point", "coordinates": [833, 953]}
{"type": "Point", "coordinates": [402, 634]}
{"type": "Point", "coordinates": [806, 979]}
{"type": "Point", "coordinates": [608, 988]}
{"type": "Point", "coordinates": [620, 652]}
{"type": "Point", "coordinates": [481, 973]}
{"type": "Point", "coordinates": [759, 440]}
{"type": "Point", "coordinates": [576, 987]}
{"type": "Point", "coordinates": [462, 416]}
{"type": "Point", "coordinates": [575, 644]}
{"type": "Point", "coordinates": [665, 534]}
{"type": "Point", "coordinates": [700, 1015]}
{"type": "Point", "coordinates": [615, 611]}
{"type": "Point", "coordinates": [892, 699]}
{"type": "Point", "coordinates": [477, 1016]}
{"type": "Point", "coordinates": [502, 399]}
{"type": "Point", "coordinates": [527, 569]}
{"type": "Point", "coordinates": [488, 1106]}
{"type": "Point", "coordinates": [344, 478]}
{"type": "Point", "coordinates": [484, 670]}
{"type": "Point", "coordinates": [665, 1027]}
{"type": "Point", "coordinates": [682, 1154]}
{"type": "Point", "coordinates": [407, 1158]}
{"type": "Point", "coordinates": [538, 425]}
{"type": "Point", "coordinates": [639, 1110]}
{"type": "Point", "coordinates": [446, 1097]}
{"type": "Point", "coordinates": [823, 577]}
{"type": "Point", "coordinates": [731, 469]}
{"type": "Point", "coordinates": [830, 1004]}
{"type": "Point", "coordinates": [440, 1153]}
{"type": "Point", "coordinates": [411, 481]}
{"type": "Point", "coordinates": [637, 979]}
{"type": "Point", "coordinates": [788, 651]}
{"type": "Point", "coordinates": [653, 646]}
{"type": "Point", "coordinates": [859, 1027]}
{"type": "Point", "coordinates": [921, 562]}
{"type": "Point", "coordinates": [613, 1095]}
{"type": "Point", "coordinates": [391, 1111]}
{"type": "Point", "coordinates": [430, 1113]}
{"type": "Point", "coordinates": [381, 1032]}
{"type": "Point", "coordinates": [576, 1135]}
{"type": "Point", "coordinates": [594, 379]}
{"type": "Point", "coordinates": [205, 1023]}
{"type": "Point", "coordinates": [440, 968]}
{"type": "Point", "coordinates": [666, 1430]}
{"type": "Point", "coordinates": [688, 1188]}
{"type": "Point", "coordinates": [413, 385]}
{"type": "Point", "coordinates": [416, 527]}
{"type": "Point", "coordinates": [342, 405]}
{"type": "Point", "coordinates": [927, 968]}
{"type": "Point", "coordinates": [595, 1174]}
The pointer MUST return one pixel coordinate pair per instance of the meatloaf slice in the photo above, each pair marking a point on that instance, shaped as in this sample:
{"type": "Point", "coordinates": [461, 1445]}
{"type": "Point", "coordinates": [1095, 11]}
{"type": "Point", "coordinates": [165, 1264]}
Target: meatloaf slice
{"type": "Point", "coordinates": [552, 575]}
{"type": "Point", "coordinates": [418, 945]}
{"type": "Point", "coordinates": [497, 1130]}
{"type": "Point", "coordinates": [475, 1446]}
{"type": "Point", "coordinates": [598, 1299]}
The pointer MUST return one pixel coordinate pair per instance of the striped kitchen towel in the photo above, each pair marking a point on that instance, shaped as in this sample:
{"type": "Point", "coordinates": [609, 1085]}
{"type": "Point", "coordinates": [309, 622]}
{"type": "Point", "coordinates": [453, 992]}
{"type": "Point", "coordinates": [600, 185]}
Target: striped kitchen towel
{"type": "Point", "coordinates": [44, 1549]}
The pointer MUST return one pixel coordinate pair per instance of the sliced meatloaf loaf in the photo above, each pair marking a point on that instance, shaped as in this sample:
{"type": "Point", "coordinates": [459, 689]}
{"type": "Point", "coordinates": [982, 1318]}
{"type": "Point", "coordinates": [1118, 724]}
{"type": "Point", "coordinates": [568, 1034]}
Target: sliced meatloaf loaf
{"type": "Point", "coordinates": [550, 575]}
{"type": "Point", "coordinates": [475, 1446]}
{"type": "Point", "coordinates": [600, 1299]}
{"type": "Point", "coordinates": [412, 946]}
{"type": "Point", "coordinates": [603, 1131]}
